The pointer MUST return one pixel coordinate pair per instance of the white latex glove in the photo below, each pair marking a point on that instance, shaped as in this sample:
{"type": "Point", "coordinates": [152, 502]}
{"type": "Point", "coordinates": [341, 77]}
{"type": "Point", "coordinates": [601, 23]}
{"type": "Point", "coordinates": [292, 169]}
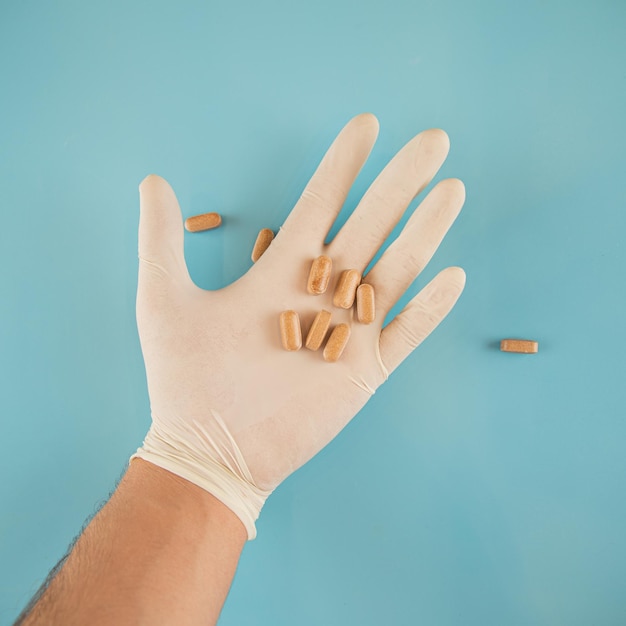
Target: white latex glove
{"type": "Point", "coordinates": [232, 411]}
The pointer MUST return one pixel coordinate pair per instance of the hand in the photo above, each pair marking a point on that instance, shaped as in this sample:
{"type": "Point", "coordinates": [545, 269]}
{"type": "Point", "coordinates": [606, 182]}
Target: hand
{"type": "Point", "coordinates": [232, 410]}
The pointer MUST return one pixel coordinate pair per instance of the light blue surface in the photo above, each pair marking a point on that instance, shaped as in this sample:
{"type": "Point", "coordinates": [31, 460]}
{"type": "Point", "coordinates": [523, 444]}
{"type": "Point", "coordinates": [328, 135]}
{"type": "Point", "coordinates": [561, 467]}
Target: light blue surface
{"type": "Point", "coordinates": [476, 488]}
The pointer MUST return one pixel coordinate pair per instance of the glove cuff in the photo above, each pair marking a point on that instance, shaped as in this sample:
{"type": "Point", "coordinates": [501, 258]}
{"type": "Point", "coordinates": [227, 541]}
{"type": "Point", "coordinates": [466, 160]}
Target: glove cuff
{"type": "Point", "coordinates": [212, 461]}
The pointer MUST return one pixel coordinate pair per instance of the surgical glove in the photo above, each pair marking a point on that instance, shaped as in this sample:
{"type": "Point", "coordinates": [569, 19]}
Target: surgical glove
{"type": "Point", "coordinates": [232, 411]}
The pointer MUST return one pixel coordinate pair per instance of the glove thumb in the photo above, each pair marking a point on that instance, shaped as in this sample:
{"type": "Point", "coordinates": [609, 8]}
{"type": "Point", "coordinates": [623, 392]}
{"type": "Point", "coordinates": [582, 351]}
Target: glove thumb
{"type": "Point", "coordinates": [161, 235]}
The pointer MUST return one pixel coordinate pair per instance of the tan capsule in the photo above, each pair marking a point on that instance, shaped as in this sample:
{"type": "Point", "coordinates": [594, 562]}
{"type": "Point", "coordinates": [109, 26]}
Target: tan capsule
{"type": "Point", "coordinates": [336, 342]}
{"type": "Point", "coordinates": [318, 330]}
{"type": "Point", "coordinates": [346, 289]}
{"type": "Point", "coordinates": [519, 345]}
{"type": "Point", "coordinates": [365, 306]}
{"type": "Point", "coordinates": [263, 240]}
{"type": "Point", "coordinates": [319, 275]}
{"type": "Point", "coordinates": [290, 331]}
{"type": "Point", "coordinates": [206, 221]}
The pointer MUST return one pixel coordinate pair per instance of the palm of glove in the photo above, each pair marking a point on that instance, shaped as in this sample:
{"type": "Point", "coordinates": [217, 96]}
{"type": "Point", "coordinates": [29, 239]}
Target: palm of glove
{"type": "Point", "coordinates": [219, 353]}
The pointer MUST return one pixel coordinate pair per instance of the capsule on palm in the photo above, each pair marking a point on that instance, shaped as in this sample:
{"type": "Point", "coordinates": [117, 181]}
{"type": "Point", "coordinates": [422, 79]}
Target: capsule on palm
{"type": "Point", "coordinates": [336, 343]}
{"type": "Point", "coordinates": [319, 275]}
{"type": "Point", "coordinates": [290, 330]}
{"type": "Point", "coordinates": [263, 240]}
{"type": "Point", "coordinates": [346, 289]}
{"type": "Point", "coordinates": [318, 330]}
{"type": "Point", "coordinates": [365, 306]}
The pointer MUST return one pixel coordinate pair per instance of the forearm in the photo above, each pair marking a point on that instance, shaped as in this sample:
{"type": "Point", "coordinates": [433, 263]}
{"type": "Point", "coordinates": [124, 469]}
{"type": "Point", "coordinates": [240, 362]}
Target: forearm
{"type": "Point", "coordinates": [161, 551]}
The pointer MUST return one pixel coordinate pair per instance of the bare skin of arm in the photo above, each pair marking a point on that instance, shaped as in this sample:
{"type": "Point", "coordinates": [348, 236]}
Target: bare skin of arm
{"type": "Point", "coordinates": [161, 551]}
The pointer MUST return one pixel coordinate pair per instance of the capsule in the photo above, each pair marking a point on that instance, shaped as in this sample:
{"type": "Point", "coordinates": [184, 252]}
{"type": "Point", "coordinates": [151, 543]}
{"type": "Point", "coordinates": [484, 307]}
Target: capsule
{"type": "Point", "coordinates": [318, 330]}
{"type": "Point", "coordinates": [525, 346]}
{"type": "Point", "coordinates": [290, 331]}
{"type": "Point", "coordinates": [206, 221]}
{"type": "Point", "coordinates": [346, 289]}
{"type": "Point", "coordinates": [263, 240]}
{"type": "Point", "coordinates": [336, 343]}
{"type": "Point", "coordinates": [319, 275]}
{"type": "Point", "coordinates": [365, 305]}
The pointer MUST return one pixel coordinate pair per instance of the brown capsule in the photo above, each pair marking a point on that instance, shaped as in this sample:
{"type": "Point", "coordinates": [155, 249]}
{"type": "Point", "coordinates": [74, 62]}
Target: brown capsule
{"type": "Point", "coordinates": [206, 221]}
{"type": "Point", "coordinates": [318, 330]}
{"type": "Point", "coordinates": [365, 305]}
{"type": "Point", "coordinates": [290, 331]}
{"type": "Point", "coordinates": [263, 240]}
{"type": "Point", "coordinates": [346, 289]}
{"type": "Point", "coordinates": [524, 346]}
{"type": "Point", "coordinates": [336, 342]}
{"type": "Point", "coordinates": [319, 275]}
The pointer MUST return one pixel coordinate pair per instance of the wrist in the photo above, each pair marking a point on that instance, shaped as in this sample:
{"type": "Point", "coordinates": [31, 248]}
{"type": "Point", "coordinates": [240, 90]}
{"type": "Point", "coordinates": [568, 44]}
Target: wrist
{"type": "Point", "coordinates": [214, 464]}
{"type": "Point", "coordinates": [175, 496]}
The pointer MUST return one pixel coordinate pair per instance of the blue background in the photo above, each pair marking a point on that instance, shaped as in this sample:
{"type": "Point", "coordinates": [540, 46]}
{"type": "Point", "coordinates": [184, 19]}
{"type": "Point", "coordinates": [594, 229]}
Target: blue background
{"type": "Point", "coordinates": [476, 487]}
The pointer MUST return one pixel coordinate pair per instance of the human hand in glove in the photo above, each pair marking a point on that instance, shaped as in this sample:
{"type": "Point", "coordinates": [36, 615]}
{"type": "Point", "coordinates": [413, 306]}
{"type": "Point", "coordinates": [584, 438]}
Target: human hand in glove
{"type": "Point", "coordinates": [232, 411]}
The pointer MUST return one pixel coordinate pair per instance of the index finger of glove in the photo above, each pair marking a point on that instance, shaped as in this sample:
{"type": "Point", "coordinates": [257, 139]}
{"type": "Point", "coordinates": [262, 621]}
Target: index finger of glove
{"type": "Point", "coordinates": [315, 212]}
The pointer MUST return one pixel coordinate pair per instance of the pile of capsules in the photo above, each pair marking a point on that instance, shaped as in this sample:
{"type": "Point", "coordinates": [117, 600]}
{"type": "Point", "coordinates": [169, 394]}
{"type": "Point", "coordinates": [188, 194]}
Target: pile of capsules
{"type": "Point", "coordinates": [349, 288]}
